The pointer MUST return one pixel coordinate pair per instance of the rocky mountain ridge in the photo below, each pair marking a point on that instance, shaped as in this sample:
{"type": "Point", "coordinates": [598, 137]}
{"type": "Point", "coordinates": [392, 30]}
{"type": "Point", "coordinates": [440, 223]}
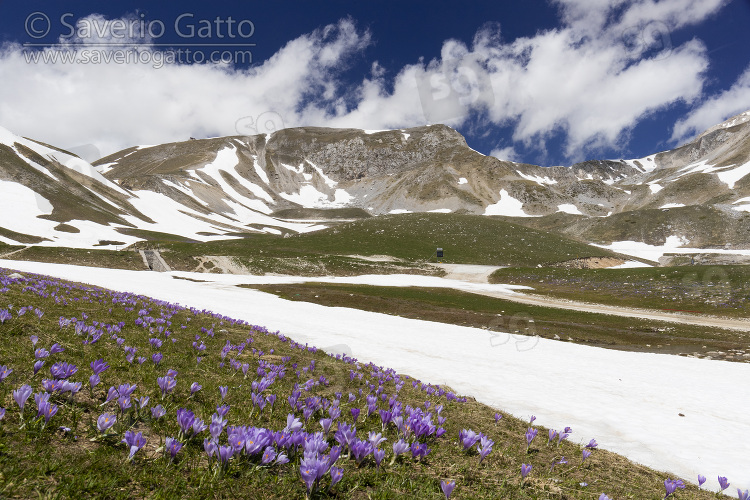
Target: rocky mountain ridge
{"type": "Point", "coordinates": [213, 188]}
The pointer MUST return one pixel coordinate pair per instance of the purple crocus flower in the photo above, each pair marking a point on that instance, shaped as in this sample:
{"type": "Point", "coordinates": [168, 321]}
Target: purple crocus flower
{"type": "Point", "coordinates": [63, 370]}
{"type": "Point", "coordinates": [485, 447]}
{"type": "Point", "coordinates": [604, 497]}
{"type": "Point", "coordinates": [56, 348]}
{"type": "Point", "coordinates": [222, 410]}
{"type": "Point", "coordinates": [585, 454]}
{"type": "Point", "coordinates": [375, 439]}
{"type": "Point", "coordinates": [225, 453]}
{"type": "Point", "coordinates": [378, 454]}
{"type": "Point", "coordinates": [399, 447]}
{"type": "Point", "coordinates": [355, 413]}
{"type": "Point", "coordinates": [309, 473]}
{"type": "Point", "coordinates": [134, 441]}
{"type": "Point", "coordinates": [22, 394]}
{"type": "Point", "coordinates": [269, 454]}
{"type": "Point", "coordinates": [185, 419]}
{"type": "Point", "coordinates": [99, 366]}
{"type": "Point", "coordinates": [360, 450]}
{"type": "Point", "coordinates": [38, 364]}
{"type": "Point", "coordinates": [743, 495]}
{"type": "Point", "coordinates": [468, 438]}
{"type": "Point", "coordinates": [336, 474]}
{"type": "Point", "coordinates": [173, 446]}
{"type": "Point", "coordinates": [94, 380]}
{"type": "Point", "coordinates": [158, 411]}
{"type": "Point", "coordinates": [210, 447]}
{"type": "Point", "coordinates": [41, 353]}
{"type": "Point", "coordinates": [552, 435]}
{"type": "Point", "coordinates": [166, 384]}
{"type": "Point", "coordinates": [530, 435]}
{"type": "Point", "coordinates": [2, 413]}
{"type": "Point", "coordinates": [124, 403]}
{"type": "Point", "coordinates": [5, 371]}
{"type": "Point", "coordinates": [111, 394]}
{"type": "Point", "coordinates": [47, 410]}
{"type": "Point", "coordinates": [447, 487]}
{"type": "Point", "coordinates": [592, 444]}
{"type": "Point", "coordinates": [498, 417]}
{"type": "Point", "coordinates": [723, 483]}
{"type": "Point", "coordinates": [34, 340]}
{"type": "Point", "coordinates": [157, 357]}
{"type": "Point", "coordinates": [293, 424]}
{"type": "Point", "coordinates": [525, 469]}
{"type": "Point", "coordinates": [195, 387]}
{"type": "Point", "coordinates": [701, 480]}
{"type": "Point", "coordinates": [670, 485]}
{"type": "Point", "coordinates": [223, 390]}
{"type": "Point", "coordinates": [105, 421]}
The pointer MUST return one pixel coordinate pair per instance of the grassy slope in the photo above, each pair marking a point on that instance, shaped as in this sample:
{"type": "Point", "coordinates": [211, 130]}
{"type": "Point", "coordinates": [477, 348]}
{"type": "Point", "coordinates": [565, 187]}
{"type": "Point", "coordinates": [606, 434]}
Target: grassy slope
{"type": "Point", "coordinates": [479, 311]}
{"type": "Point", "coordinates": [717, 290]}
{"type": "Point", "coordinates": [468, 239]}
{"type": "Point", "coordinates": [50, 462]}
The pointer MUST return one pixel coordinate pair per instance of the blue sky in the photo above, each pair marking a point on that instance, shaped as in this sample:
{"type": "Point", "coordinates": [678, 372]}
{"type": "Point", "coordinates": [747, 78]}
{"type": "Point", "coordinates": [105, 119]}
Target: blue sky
{"type": "Point", "coordinates": [545, 82]}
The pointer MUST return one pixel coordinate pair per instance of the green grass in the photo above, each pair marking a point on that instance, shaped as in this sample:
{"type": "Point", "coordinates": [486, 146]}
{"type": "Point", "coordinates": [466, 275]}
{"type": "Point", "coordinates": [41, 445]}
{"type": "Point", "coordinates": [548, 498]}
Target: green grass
{"type": "Point", "coordinates": [46, 461]}
{"type": "Point", "coordinates": [498, 315]}
{"type": "Point", "coordinates": [411, 239]}
{"type": "Point", "coordinates": [717, 290]}
{"type": "Point", "coordinates": [20, 237]}
{"type": "Point", "coordinates": [112, 259]}
{"type": "Point", "coordinates": [468, 239]}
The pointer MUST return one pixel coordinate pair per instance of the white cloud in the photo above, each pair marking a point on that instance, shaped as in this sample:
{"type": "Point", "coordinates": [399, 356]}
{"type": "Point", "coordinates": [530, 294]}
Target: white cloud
{"type": "Point", "coordinates": [507, 153]}
{"type": "Point", "coordinates": [715, 110]}
{"type": "Point", "coordinates": [592, 79]}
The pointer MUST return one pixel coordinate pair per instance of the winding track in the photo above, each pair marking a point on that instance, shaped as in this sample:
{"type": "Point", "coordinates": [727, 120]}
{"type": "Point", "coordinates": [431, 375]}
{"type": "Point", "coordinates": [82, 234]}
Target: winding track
{"type": "Point", "coordinates": [479, 274]}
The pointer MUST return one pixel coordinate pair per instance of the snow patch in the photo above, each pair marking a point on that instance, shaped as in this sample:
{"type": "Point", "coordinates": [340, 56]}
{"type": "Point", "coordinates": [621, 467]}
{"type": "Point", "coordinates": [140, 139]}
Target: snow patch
{"type": "Point", "coordinates": [261, 173]}
{"type": "Point", "coordinates": [507, 205]}
{"type": "Point", "coordinates": [536, 178]}
{"type": "Point", "coordinates": [569, 208]}
{"type": "Point", "coordinates": [673, 205]}
{"type": "Point", "coordinates": [462, 180]}
{"type": "Point", "coordinates": [655, 188]}
{"type": "Point", "coordinates": [730, 177]}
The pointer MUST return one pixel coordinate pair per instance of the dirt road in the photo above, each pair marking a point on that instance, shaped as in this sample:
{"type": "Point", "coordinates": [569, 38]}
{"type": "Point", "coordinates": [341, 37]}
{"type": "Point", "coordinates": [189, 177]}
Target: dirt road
{"type": "Point", "coordinates": [479, 274]}
{"type": "Point", "coordinates": [681, 318]}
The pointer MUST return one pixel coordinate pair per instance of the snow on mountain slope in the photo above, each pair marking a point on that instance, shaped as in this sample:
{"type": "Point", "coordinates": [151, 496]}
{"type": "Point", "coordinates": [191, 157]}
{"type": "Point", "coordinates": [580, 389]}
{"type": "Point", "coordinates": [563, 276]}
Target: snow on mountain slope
{"type": "Point", "coordinates": [213, 187]}
{"type": "Point", "coordinates": [51, 197]}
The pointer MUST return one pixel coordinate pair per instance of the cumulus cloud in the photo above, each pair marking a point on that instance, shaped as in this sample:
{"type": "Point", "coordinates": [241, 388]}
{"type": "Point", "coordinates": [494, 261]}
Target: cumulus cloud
{"type": "Point", "coordinates": [590, 80]}
{"type": "Point", "coordinates": [507, 153]}
{"type": "Point", "coordinates": [715, 109]}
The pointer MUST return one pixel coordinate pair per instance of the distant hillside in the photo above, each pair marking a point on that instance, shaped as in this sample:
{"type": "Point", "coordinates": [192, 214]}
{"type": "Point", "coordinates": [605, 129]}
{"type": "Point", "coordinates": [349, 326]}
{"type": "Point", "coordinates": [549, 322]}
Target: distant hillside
{"type": "Point", "coordinates": [209, 189]}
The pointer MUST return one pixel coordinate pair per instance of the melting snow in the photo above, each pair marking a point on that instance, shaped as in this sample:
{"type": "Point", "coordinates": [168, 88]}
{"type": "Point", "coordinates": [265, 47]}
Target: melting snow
{"type": "Point", "coordinates": [655, 188]}
{"type": "Point", "coordinates": [730, 177]}
{"type": "Point", "coordinates": [673, 205]}
{"type": "Point", "coordinates": [507, 205]}
{"type": "Point", "coordinates": [462, 180]}
{"type": "Point", "coordinates": [569, 208]}
{"type": "Point", "coordinates": [538, 179]}
{"type": "Point", "coordinates": [258, 170]}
